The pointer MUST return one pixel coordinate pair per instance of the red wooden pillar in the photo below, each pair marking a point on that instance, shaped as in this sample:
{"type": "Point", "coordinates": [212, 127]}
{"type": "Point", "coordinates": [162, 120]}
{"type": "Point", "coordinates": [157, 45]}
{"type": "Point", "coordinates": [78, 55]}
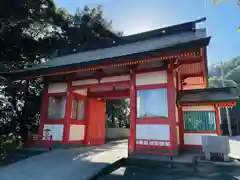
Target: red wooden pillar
{"type": "Point", "coordinates": [181, 127]}
{"type": "Point", "coordinates": [180, 114]}
{"type": "Point", "coordinates": [86, 119]}
{"type": "Point", "coordinates": [205, 71]}
{"type": "Point", "coordinates": [218, 125]}
{"type": "Point", "coordinates": [171, 109]}
{"type": "Point", "coordinates": [68, 109]}
{"type": "Point", "coordinates": [44, 110]}
{"type": "Point", "coordinates": [132, 136]}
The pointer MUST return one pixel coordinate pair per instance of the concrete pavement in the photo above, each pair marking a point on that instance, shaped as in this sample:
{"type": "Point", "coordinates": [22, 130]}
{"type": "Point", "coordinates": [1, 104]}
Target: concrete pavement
{"type": "Point", "coordinates": [178, 171]}
{"type": "Point", "coordinates": [66, 164]}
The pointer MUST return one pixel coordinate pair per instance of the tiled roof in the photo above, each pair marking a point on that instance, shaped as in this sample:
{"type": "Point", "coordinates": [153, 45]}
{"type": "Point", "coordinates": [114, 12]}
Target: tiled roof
{"type": "Point", "coordinates": [177, 37]}
{"type": "Point", "coordinates": [208, 95]}
{"type": "Point", "coordinates": [123, 50]}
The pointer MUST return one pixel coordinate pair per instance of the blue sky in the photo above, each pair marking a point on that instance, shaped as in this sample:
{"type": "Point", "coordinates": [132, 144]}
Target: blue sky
{"type": "Point", "coordinates": [133, 16]}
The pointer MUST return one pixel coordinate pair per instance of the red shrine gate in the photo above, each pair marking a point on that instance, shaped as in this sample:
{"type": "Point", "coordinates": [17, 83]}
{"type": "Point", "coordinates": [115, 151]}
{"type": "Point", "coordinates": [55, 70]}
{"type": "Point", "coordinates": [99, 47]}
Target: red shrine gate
{"type": "Point", "coordinates": [85, 97]}
{"type": "Point", "coordinates": [141, 81]}
{"type": "Point", "coordinates": [163, 72]}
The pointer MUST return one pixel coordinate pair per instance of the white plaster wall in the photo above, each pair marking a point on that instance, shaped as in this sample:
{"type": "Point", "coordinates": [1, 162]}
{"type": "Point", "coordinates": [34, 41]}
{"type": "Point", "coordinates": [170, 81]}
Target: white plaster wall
{"type": "Point", "coordinates": [115, 79]}
{"type": "Point", "coordinates": [84, 82]}
{"type": "Point", "coordinates": [178, 135]}
{"type": "Point", "coordinates": [77, 132]}
{"type": "Point", "coordinates": [177, 115]}
{"type": "Point", "coordinates": [157, 77]}
{"type": "Point", "coordinates": [81, 91]}
{"type": "Point", "coordinates": [153, 131]}
{"type": "Point", "coordinates": [195, 138]}
{"type": "Point", "coordinates": [56, 130]}
{"type": "Point", "coordinates": [175, 80]}
{"type": "Point", "coordinates": [57, 87]}
{"type": "Point", "coordinates": [122, 87]}
{"type": "Point", "coordinates": [104, 80]}
{"type": "Point", "coordinates": [101, 89]}
{"type": "Point", "coordinates": [198, 108]}
{"type": "Point", "coordinates": [220, 117]}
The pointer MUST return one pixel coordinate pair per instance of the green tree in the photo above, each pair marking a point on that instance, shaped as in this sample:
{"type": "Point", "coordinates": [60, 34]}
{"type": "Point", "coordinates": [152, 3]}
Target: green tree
{"type": "Point", "coordinates": [31, 32]}
{"type": "Point", "coordinates": [216, 82]}
{"type": "Point", "coordinates": [234, 75]}
{"type": "Point", "coordinates": [118, 112]}
{"type": "Point", "coordinates": [231, 71]}
{"type": "Point", "coordinates": [20, 47]}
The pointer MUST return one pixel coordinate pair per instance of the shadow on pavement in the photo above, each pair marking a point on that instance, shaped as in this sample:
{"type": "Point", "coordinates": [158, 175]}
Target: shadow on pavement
{"type": "Point", "coordinates": [164, 171]}
{"type": "Point", "coordinates": [69, 171]}
{"type": "Point", "coordinates": [64, 164]}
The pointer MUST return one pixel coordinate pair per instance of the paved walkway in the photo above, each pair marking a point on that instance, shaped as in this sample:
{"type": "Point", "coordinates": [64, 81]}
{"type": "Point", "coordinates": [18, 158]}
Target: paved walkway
{"type": "Point", "coordinates": [65, 164]}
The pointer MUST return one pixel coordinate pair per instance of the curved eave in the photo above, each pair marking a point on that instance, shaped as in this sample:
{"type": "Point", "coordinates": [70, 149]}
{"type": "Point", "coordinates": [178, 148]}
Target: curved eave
{"type": "Point", "coordinates": [222, 104]}
{"type": "Point", "coordinates": [67, 69]}
{"type": "Point", "coordinates": [210, 101]}
{"type": "Point", "coordinates": [221, 97]}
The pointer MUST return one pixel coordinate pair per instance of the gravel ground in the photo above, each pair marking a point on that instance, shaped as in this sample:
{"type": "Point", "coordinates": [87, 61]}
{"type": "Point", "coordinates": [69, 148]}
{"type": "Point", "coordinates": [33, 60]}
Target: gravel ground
{"type": "Point", "coordinates": [183, 172]}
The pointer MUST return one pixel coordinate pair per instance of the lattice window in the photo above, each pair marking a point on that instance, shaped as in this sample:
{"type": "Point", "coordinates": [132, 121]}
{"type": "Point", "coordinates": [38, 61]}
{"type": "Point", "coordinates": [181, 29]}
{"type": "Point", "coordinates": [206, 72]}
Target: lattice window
{"type": "Point", "coordinates": [56, 107]}
{"type": "Point", "coordinates": [77, 112]}
{"type": "Point", "coordinates": [199, 121]}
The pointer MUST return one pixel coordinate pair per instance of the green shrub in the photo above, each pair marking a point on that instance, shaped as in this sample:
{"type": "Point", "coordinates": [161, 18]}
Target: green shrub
{"type": "Point", "coordinates": [8, 143]}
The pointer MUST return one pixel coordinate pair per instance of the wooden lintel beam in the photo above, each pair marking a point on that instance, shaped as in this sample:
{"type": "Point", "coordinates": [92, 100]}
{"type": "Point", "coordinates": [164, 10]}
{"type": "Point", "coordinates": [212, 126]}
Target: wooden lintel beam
{"type": "Point", "coordinates": [185, 76]}
{"type": "Point", "coordinates": [110, 94]}
{"type": "Point", "coordinates": [132, 67]}
{"type": "Point", "coordinates": [178, 63]}
{"type": "Point", "coordinates": [186, 84]}
{"type": "Point", "coordinates": [107, 84]}
{"type": "Point", "coordinates": [191, 61]}
{"type": "Point", "coordinates": [102, 75]}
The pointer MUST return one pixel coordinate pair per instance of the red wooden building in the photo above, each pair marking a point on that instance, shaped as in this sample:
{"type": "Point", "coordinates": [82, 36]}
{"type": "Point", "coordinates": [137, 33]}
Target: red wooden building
{"type": "Point", "coordinates": [163, 72]}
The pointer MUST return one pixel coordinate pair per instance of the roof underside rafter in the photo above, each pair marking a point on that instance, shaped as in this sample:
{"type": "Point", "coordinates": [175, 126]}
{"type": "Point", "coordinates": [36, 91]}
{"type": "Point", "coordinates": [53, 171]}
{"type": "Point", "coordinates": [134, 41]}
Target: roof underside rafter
{"type": "Point", "coordinates": [193, 75]}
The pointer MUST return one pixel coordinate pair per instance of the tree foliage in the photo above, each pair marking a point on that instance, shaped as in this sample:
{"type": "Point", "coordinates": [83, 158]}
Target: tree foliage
{"type": "Point", "coordinates": [31, 32]}
{"type": "Point", "coordinates": [21, 44]}
{"type": "Point", "coordinates": [216, 82]}
{"type": "Point", "coordinates": [118, 112]}
{"type": "Point", "coordinates": [231, 78]}
{"type": "Point", "coordinates": [231, 71]}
